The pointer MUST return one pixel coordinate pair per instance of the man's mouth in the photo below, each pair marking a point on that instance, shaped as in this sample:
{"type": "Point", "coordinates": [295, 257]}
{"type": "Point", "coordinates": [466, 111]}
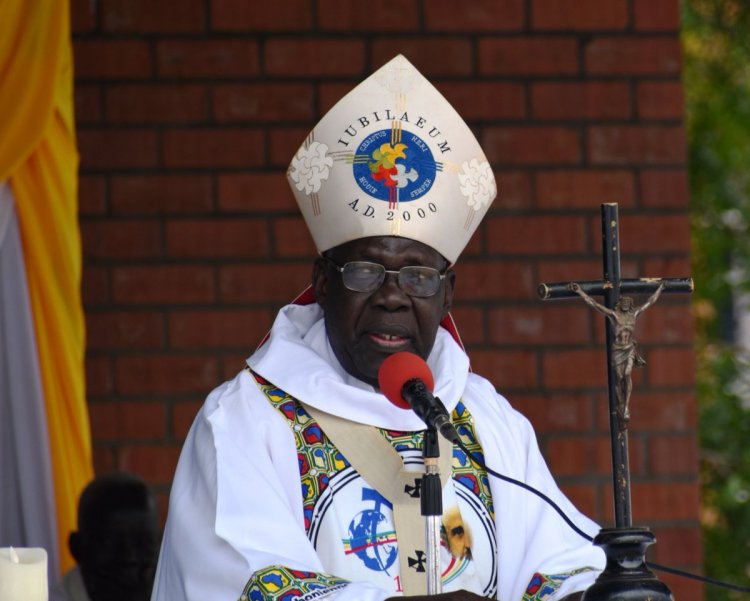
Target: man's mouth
{"type": "Point", "coordinates": [388, 341]}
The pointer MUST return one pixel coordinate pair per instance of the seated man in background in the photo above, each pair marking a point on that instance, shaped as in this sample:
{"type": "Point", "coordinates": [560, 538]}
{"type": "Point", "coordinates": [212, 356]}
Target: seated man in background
{"type": "Point", "coordinates": [116, 544]}
{"type": "Point", "coordinates": [299, 479]}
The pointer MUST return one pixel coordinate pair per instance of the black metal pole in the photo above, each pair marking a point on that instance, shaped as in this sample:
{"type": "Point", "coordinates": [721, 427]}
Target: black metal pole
{"type": "Point", "coordinates": [618, 432]}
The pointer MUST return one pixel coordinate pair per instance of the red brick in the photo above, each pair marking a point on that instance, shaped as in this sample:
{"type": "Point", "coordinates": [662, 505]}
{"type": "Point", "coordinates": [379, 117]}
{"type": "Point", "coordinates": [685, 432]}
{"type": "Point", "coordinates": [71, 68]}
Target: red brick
{"type": "Point", "coordinates": [584, 497]}
{"type": "Point", "coordinates": [124, 330]}
{"type": "Point", "coordinates": [156, 103]}
{"type": "Point", "coordinates": [455, 54]}
{"type": "Point", "coordinates": [213, 148]}
{"type": "Point", "coordinates": [536, 235]}
{"type": "Point", "coordinates": [99, 376]}
{"type": "Point", "coordinates": [344, 15]}
{"type": "Point", "coordinates": [664, 188]}
{"type": "Point", "coordinates": [255, 192]}
{"type": "Point", "coordinates": [154, 463]}
{"type": "Point", "coordinates": [161, 193]}
{"type": "Point", "coordinates": [662, 411]}
{"type": "Point", "coordinates": [117, 148]}
{"type": "Point", "coordinates": [583, 456]}
{"type": "Point", "coordinates": [82, 16]}
{"type": "Point", "coordinates": [569, 271]}
{"type": "Point", "coordinates": [165, 374]}
{"type": "Point", "coordinates": [552, 324]}
{"type": "Point", "coordinates": [264, 283]}
{"type": "Point", "coordinates": [561, 189]}
{"type": "Point", "coordinates": [234, 362]}
{"type": "Point", "coordinates": [478, 15]}
{"type": "Point", "coordinates": [263, 102]}
{"type": "Point", "coordinates": [655, 233]}
{"type": "Point", "coordinates": [121, 239]}
{"type": "Point", "coordinates": [173, 284]}
{"type": "Point", "coordinates": [88, 104]}
{"type": "Point", "coordinates": [145, 16]}
{"type": "Point", "coordinates": [673, 455]}
{"type": "Point", "coordinates": [667, 267]}
{"type": "Point", "coordinates": [183, 416]}
{"type": "Point", "coordinates": [292, 239]}
{"type": "Point", "coordinates": [127, 420]}
{"type": "Point", "coordinates": [580, 100]}
{"type": "Point", "coordinates": [207, 58]}
{"type": "Point", "coordinates": [224, 329]}
{"type": "Point", "coordinates": [582, 15]}
{"type": "Point", "coordinates": [665, 323]}
{"type": "Point", "coordinates": [505, 279]}
{"type": "Point", "coordinates": [92, 195]}
{"type": "Point", "coordinates": [678, 546]}
{"type": "Point", "coordinates": [556, 413]}
{"type": "Point", "coordinates": [105, 59]}
{"type": "Point", "coordinates": [514, 190]}
{"type": "Point", "coordinates": [528, 56]}
{"type": "Point", "coordinates": [663, 15]}
{"type": "Point", "coordinates": [639, 145]}
{"type": "Point", "coordinates": [312, 58]}
{"type": "Point", "coordinates": [660, 100]}
{"type": "Point", "coordinates": [671, 367]}
{"type": "Point", "coordinates": [507, 370]}
{"type": "Point", "coordinates": [104, 459]}
{"type": "Point", "coordinates": [534, 145]}
{"type": "Point", "coordinates": [203, 238]}
{"type": "Point", "coordinates": [633, 56]}
{"type": "Point", "coordinates": [565, 368]}
{"type": "Point", "coordinates": [330, 93]}
{"type": "Point", "coordinates": [665, 501]}
{"type": "Point", "coordinates": [470, 324]}
{"type": "Point", "coordinates": [285, 143]}
{"type": "Point", "coordinates": [486, 99]}
{"type": "Point", "coordinates": [257, 15]}
{"type": "Point", "coordinates": [95, 285]}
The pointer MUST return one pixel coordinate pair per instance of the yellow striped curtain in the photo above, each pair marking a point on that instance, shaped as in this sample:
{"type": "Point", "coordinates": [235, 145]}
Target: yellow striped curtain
{"type": "Point", "coordinates": [38, 165]}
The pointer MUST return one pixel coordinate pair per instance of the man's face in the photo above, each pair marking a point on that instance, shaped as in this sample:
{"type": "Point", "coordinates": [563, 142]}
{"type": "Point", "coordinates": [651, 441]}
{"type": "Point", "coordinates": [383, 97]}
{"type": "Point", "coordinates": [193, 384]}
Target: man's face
{"type": "Point", "coordinates": [365, 327]}
{"type": "Point", "coordinates": [118, 559]}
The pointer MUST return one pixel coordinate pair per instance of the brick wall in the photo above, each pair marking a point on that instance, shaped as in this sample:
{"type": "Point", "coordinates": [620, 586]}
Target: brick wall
{"type": "Point", "coordinates": [189, 112]}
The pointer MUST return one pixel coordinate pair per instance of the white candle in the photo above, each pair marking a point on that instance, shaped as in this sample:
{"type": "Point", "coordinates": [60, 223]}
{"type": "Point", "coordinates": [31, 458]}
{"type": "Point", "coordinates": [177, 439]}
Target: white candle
{"type": "Point", "coordinates": [23, 574]}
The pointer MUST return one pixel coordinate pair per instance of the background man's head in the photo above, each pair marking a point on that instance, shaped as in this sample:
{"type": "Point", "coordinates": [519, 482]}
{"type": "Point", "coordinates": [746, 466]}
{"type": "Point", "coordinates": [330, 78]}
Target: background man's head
{"type": "Point", "coordinates": [117, 542]}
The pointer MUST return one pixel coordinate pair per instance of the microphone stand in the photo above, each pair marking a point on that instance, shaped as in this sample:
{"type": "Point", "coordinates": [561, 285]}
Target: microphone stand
{"type": "Point", "coordinates": [431, 499]}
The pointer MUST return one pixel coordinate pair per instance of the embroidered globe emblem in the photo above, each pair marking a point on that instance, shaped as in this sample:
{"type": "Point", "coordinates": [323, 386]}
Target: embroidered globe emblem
{"type": "Point", "coordinates": [377, 550]}
{"type": "Point", "coordinates": [394, 170]}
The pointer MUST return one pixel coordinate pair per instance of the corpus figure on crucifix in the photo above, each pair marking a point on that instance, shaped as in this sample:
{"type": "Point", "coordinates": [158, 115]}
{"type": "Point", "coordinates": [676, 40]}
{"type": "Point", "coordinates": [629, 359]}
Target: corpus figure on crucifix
{"type": "Point", "coordinates": [624, 353]}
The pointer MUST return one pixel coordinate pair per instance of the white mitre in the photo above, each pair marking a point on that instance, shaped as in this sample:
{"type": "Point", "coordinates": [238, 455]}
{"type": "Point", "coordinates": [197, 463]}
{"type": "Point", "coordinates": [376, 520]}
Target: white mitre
{"type": "Point", "coordinates": [393, 158]}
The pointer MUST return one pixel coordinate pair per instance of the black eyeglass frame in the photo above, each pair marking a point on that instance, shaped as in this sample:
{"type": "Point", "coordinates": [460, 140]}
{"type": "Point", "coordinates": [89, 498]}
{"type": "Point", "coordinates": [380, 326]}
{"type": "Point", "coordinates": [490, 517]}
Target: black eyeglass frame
{"type": "Point", "coordinates": [385, 272]}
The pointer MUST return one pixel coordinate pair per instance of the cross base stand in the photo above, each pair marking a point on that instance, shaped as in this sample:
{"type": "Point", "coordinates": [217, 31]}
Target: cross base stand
{"type": "Point", "coordinates": [626, 576]}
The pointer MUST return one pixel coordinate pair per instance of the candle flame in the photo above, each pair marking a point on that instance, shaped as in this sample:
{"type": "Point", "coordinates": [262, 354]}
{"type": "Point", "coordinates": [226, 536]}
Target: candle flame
{"type": "Point", "coordinates": [14, 556]}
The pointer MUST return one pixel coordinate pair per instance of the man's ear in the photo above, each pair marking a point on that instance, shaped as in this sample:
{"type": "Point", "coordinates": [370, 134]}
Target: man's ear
{"type": "Point", "coordinates": [319, 280]}
{"type": "Point", "coordinates": [75, 544]}
{"type": "Point", "coordinates": [450, 286]}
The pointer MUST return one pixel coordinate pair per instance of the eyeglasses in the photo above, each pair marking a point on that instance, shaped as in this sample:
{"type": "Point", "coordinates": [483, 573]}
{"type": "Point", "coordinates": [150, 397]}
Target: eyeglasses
{"type": "Point", "coordinates": [414, 280]}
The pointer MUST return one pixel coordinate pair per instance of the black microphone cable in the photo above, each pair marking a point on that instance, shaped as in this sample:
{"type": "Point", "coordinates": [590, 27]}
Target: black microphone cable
{"type": "Point", "coordinates": [707, 579]}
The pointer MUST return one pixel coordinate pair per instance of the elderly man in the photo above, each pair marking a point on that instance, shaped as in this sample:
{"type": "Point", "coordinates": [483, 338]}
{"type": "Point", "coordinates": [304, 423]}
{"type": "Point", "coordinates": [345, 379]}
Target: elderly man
{"type": "Point", "coordinates": [298, 478]}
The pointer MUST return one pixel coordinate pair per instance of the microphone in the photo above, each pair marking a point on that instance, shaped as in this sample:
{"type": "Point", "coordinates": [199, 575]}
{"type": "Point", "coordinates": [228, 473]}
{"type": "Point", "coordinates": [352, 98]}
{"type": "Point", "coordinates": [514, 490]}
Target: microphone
{"type": "Point", "coordinates": [406, 381]}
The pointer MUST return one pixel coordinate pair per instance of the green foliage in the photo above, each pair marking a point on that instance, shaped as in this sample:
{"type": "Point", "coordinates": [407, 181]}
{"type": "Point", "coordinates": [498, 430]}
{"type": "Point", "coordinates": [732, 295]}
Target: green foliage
{"type": "Point", "coordinates": [716, 41]}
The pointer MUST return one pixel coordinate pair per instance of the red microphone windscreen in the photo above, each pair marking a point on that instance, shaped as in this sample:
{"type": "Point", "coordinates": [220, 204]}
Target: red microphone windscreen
{"type": "Point", "coordinates": [397, 370]}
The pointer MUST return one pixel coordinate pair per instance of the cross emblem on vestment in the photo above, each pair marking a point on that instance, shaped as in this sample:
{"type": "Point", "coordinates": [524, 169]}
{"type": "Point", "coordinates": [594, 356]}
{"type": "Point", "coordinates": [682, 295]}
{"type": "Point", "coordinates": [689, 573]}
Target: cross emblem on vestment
{"type": "Point", "coordinates": [418, 563]}
{"type": "Point", "coordinates": [620, 315]}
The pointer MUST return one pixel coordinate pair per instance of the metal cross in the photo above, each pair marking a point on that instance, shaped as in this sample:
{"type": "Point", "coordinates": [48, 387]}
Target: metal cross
{"type": "Point", "coordinates": [619, 316]}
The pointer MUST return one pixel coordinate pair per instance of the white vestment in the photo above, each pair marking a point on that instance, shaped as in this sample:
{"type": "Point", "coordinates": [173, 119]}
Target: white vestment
{"type": "Point", "coordinates": [236, 506]}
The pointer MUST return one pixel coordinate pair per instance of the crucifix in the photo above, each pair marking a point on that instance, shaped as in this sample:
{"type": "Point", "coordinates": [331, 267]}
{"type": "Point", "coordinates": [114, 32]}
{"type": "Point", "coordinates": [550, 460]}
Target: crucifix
{"type": "Point", "coordinates": [620, 315]}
